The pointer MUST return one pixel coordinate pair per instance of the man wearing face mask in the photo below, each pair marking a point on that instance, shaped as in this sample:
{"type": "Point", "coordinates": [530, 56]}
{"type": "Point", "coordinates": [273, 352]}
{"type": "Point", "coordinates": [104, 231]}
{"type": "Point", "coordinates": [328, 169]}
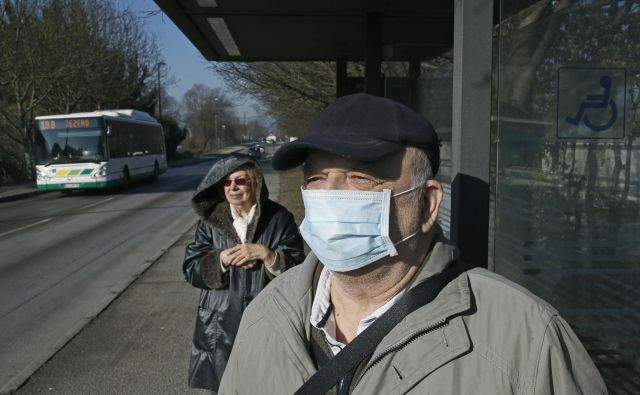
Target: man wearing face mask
{"type": "Point", "coordinates": [383, 305]}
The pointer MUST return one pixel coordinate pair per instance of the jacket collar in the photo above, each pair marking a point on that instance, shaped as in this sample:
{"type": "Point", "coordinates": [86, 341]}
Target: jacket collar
{"type": "Point", "coordinates": [288, 307]}
{"type": "Point", "coordinates": [454, 299]}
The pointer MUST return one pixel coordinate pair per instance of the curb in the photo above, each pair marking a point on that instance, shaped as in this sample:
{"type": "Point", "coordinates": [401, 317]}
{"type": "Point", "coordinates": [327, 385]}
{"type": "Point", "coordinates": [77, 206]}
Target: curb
{"type": "Point", "coordinates": [22, 195]}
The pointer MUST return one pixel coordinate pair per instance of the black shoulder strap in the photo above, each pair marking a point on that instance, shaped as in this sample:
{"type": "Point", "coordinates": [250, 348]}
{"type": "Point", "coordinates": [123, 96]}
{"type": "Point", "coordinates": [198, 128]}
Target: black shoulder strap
{"type": "Point", "coordinates": [367, 341]}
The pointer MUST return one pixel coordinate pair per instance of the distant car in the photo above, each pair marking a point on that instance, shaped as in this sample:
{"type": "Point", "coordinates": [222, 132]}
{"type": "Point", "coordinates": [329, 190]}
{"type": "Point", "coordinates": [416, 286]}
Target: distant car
{"type": "Point", "coordinates": [256, 150]}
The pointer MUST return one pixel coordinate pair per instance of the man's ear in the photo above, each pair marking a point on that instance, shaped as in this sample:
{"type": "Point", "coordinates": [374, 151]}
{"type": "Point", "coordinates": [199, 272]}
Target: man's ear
{"type": "Point", "coordinates": [431, 199]}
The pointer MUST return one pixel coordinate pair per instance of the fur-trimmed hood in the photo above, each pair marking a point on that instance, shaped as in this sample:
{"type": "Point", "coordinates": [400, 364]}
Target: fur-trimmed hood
{"type": "Point", "coordinates": [209, 202]}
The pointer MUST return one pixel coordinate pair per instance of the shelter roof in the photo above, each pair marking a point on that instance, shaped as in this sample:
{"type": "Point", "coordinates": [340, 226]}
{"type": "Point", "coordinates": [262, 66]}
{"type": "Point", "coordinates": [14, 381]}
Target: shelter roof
{"type": "Point", "coordinates": [295, 30]}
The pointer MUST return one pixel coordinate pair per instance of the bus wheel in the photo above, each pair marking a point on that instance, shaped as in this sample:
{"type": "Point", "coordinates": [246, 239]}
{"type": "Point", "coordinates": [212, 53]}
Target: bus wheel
{"type": "Point", "coordinates": [126, 178]}
{"type": "Point", "coordinates": [156, 171]}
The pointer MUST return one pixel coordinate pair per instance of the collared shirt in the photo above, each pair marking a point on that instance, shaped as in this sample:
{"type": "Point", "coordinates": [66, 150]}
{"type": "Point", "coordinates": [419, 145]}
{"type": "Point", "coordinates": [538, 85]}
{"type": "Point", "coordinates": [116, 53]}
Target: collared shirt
{"type": "Point", "coordinates": [322, 318]}
{"type": "Point", "coordinates": [241, 224]}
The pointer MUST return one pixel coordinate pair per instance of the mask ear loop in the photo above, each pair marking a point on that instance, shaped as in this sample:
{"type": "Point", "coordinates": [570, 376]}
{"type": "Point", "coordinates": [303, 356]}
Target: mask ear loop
{"type": "Point", "coordinates": [417, 231]}
{"type": "Point", "coordinates": [407, 191]}
{"type": "Point", "coordinates": [384, 222]}
{"type": "Point", "coordinates": [408, 237]}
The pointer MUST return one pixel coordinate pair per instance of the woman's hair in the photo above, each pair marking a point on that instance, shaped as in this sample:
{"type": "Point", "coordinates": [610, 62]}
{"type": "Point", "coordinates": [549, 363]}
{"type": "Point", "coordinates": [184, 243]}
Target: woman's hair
{"type": "Point", "coordinates": [251, 172]}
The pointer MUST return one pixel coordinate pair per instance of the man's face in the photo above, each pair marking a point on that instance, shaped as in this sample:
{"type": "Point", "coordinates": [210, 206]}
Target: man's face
{"type": "Point", "coordinates": [326, 171]}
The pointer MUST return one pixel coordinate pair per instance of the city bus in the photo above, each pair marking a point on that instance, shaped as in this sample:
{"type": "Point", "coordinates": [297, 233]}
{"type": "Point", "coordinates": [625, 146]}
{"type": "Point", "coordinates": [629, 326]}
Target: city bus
{"type": "Point", "coordinates": [101, 149]}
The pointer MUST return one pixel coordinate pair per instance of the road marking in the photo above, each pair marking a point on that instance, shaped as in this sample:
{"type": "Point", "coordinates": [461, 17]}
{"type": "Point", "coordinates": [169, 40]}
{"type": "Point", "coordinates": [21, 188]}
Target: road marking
{"type": "Point", "coordinates": [25, 227]}
{"type": "Point", "coordinates": [97, 203]}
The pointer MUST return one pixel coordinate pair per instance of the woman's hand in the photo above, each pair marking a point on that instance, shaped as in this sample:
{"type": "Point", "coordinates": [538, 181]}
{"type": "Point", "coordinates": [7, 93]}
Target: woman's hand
{"type": "Point", "coordinates": [246, 255]}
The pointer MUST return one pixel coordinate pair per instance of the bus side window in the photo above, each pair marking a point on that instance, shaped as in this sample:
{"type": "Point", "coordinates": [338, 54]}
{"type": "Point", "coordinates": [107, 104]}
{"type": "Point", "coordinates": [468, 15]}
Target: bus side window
{"type": "Point", "coordinates": [114, 147]}
{"type": "Point", "coordinates": [118, 145]}
{"type": "Point", "coordinates": [133, 143]}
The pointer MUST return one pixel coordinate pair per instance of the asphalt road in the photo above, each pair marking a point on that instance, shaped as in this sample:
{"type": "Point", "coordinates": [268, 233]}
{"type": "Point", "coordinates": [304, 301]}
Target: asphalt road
{"type": "Point", "coordinates": [140, 344]}
{"type": "Point", "coordinates": [64, 258]}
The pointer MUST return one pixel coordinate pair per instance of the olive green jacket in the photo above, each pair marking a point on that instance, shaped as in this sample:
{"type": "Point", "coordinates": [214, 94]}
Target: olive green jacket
{"type": "Point", "coordinates": [482, 335]}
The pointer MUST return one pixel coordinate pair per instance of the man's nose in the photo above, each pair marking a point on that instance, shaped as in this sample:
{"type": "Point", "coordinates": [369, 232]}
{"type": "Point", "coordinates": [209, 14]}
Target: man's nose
{"type": "Point", "coordinates": [336, 181]}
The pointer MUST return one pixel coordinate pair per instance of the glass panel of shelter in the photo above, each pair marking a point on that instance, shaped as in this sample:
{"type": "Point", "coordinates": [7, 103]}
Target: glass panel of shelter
{"type": "Point", "coordinates": [566, 185]}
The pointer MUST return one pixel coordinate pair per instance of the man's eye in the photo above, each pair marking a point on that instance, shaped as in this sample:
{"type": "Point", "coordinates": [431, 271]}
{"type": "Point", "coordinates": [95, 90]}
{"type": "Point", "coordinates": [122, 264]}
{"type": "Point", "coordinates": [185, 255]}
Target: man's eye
{"type": "Point", "coordinates": [313, 179]}
{"type": "Point", "coordinates": [361, 181]}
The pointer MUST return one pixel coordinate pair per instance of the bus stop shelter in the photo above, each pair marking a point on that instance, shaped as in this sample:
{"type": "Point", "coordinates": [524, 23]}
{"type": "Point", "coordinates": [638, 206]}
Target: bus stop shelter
{"type": "Point", "coordinates": [539, 113]}
{"type": "Point", "coordinates": [374, 32]}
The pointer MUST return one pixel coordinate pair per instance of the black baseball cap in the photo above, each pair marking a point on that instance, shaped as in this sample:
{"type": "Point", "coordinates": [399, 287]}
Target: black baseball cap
{"type": "Point", "coordinates": [364, 128]}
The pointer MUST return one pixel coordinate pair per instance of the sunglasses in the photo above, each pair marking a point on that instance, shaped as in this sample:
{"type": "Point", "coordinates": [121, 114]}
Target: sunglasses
{"type": "Point", "coordinates": [240, 181]}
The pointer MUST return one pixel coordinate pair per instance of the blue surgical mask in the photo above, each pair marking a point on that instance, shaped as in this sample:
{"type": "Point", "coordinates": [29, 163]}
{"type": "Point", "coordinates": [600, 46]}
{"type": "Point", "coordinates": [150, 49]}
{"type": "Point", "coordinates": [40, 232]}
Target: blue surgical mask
{"type": "Point", "coordinates": [348, 229]}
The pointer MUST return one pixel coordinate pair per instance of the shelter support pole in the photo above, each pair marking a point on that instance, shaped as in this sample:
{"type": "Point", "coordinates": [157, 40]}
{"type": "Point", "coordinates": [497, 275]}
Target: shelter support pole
{"type": "Point", "coordinates": [341, 77]}
{"type": "Point", "coordinates": [414, 75]}
{"type": "Point", "coordinates": [472, 47]}
{"type": "Point", "coordinates": [373, 55]}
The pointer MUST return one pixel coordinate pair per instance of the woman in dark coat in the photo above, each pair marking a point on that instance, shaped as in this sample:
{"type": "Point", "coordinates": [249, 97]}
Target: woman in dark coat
{"type": "Point", "coordinates": [243, 239]}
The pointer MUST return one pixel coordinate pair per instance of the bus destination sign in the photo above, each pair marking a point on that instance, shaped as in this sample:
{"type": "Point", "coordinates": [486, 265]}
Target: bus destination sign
{"type": "Point", "coordinates": [71, 123]}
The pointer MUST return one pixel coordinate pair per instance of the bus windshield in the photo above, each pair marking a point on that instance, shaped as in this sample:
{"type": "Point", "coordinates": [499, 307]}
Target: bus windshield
{"type": "Point", "coordinates": [69, 145]}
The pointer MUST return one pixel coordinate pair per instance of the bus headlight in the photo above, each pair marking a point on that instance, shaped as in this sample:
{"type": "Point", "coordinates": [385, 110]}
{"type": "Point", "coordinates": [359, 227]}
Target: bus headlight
{"type": "Point", "coordinates": [102, 171]}
{"type": "Point", "coordinates": [42, 175]}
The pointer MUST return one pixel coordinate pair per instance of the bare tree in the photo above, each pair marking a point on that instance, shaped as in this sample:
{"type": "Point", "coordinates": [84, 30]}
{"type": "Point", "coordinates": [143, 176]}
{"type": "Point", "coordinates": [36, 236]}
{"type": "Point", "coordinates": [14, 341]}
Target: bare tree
{"type": "Point", "coordinates": [291, 92]}
{"type": "Point", "coordinates": [24, 71]}
{"type": "Point", "coordinates": [209, 117]}
{"type": "Point", "coordinates": [61, 56]}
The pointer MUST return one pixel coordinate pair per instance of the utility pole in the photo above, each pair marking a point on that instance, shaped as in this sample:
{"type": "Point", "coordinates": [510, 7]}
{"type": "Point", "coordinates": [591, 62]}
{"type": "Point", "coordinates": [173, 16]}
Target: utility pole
{"type": "Point", "coordinates": [159, 65]}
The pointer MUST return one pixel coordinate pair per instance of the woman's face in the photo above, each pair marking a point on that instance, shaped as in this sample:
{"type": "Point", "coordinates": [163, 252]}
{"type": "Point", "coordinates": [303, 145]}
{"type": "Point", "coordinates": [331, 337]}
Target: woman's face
{"type": "Point", "coordinates": [238, 189]}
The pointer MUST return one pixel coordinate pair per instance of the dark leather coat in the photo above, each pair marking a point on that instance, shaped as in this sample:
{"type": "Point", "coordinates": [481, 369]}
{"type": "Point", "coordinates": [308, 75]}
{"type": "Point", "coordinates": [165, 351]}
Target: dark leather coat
{"type": "Point", "coordinates": [224, 296]}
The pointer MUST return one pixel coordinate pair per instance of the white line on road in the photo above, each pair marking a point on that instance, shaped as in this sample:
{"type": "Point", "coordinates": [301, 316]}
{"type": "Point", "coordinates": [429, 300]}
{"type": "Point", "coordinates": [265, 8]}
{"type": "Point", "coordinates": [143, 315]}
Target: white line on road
{"type": "Point", "coordinates": [25, 227]}
{"type": "Point", "coordinates": [97, 203]}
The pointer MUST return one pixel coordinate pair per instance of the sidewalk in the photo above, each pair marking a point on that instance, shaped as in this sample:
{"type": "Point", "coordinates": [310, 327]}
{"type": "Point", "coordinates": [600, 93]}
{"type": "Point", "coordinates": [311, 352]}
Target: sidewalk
{"type": "Point", "coordinates": [19, 191]}
{"type": "Point", "coordinates": [140, 344]}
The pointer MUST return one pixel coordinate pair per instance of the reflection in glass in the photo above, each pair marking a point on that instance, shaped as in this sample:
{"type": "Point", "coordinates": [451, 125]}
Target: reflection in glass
{"type": "Point", "coordinates": [567, 210]}
{"type": "Point", "coordinates": [69, 146]}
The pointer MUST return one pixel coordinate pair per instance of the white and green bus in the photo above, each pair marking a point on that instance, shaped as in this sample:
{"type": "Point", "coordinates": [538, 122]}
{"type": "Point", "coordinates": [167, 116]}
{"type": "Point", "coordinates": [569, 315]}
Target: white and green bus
{"type": "Point", "coordinates": [101, 149]}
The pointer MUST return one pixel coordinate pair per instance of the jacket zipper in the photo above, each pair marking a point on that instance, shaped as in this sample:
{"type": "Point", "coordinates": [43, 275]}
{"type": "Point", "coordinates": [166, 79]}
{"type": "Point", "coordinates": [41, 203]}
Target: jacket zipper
{"type": "Point", "coordinates": [438, 325]}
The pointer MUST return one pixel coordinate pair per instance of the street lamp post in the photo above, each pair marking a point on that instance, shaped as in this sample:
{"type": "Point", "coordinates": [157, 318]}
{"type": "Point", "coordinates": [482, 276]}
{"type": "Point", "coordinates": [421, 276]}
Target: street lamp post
{"type": "Point", "coordinates": [216, 139]}
{"type": "Point", "coordinates": [215, 126]}
{"type": "Point", "coordinates": [159, 65]}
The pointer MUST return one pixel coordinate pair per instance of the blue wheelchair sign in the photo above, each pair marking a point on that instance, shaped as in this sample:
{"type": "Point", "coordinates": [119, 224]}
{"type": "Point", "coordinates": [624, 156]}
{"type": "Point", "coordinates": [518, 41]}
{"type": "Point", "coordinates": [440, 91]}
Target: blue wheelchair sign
{"type": "Point", "coordinates": [591, 103]}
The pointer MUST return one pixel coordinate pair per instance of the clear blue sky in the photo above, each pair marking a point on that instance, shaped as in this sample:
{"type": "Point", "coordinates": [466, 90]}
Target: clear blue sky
{"type": "Point", "coordinates": [183, 60]}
